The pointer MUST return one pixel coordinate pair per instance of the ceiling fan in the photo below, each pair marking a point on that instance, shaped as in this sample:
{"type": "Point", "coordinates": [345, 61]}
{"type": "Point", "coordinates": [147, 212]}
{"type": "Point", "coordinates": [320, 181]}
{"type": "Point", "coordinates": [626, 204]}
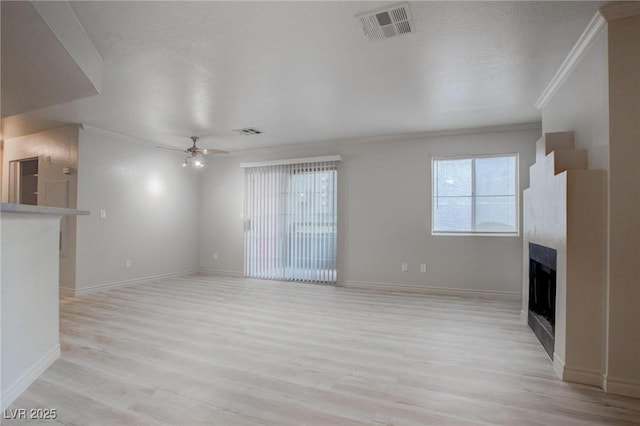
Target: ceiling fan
{"type": "Point", "coordinates": [195, 153]}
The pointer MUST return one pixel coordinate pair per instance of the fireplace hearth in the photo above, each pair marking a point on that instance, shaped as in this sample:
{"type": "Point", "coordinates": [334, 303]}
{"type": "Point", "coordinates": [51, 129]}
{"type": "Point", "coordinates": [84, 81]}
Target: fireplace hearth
{"type": "Point", "coordinates": [542, 294]}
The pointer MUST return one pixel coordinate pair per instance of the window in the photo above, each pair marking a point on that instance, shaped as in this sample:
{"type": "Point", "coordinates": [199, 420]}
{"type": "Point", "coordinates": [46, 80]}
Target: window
{"type": "Point", "coordinates": [475, 195]}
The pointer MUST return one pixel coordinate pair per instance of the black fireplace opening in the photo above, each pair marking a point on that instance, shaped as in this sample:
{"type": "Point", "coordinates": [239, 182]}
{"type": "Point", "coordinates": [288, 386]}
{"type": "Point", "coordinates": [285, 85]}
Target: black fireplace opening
{"type": "Point", "coordinates": [542, 294]}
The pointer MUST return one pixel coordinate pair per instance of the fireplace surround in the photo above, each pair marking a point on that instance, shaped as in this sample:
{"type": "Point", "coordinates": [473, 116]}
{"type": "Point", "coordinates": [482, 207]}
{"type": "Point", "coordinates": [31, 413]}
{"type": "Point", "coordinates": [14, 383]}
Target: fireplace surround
{"type": "Point", "coordinates": [564, 213]}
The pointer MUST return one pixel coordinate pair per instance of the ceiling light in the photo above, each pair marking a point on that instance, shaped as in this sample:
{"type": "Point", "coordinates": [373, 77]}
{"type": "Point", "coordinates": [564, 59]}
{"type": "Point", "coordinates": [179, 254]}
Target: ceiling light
{"type": "Point", "coordinates": [194, 161]}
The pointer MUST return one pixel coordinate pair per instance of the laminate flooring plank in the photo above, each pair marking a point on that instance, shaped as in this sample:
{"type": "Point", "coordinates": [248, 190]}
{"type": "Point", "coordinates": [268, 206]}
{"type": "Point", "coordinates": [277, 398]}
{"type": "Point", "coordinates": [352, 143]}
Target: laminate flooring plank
{"type": "Point", "coordinates": [211, 350]}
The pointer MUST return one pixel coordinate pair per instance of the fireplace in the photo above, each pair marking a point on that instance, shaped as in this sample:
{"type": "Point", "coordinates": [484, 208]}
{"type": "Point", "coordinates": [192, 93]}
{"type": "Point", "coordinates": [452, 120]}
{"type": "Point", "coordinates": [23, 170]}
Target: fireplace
{"type": "Point", "coordinates": [542, 294]}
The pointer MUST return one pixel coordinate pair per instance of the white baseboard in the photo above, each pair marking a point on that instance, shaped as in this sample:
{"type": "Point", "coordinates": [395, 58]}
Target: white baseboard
{"type": "Point", "coordinates": [24, 381]}
{"type": "Point", "coordinates": [524, 316]}
{"type": "Point", "coordinates": [223, 273]}
{"type": "Point", "coordinates": [442, 291]}
{"type": "Point", "coordinates": [577, 375]}
{"type": "Point", "coordinates": [622, 387]}
{"type": "Point", "coordinates": [558, 366]}
{"type": "Point", "coordinates": [585, 377]}
{"type": "Point", "coordinates": [106, 286]}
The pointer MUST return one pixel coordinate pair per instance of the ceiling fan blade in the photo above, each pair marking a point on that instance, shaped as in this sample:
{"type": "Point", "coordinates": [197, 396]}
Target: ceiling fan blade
{"type": "Point", "coordinates": [170, 149]}
{"type": "Point", "coordinates": [208, 151]}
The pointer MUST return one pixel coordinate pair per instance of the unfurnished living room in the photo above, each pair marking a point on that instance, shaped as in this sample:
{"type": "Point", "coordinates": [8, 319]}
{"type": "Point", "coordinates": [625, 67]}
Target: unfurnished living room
{"type": "Point", "coordinates": [320, 213]}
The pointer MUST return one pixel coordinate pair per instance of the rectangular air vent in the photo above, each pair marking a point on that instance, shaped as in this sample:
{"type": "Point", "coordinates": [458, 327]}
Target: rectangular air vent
{"type": "Point", "coordinates": [248, 131]}
{"type": "Point", "coordinates": [388, 22]}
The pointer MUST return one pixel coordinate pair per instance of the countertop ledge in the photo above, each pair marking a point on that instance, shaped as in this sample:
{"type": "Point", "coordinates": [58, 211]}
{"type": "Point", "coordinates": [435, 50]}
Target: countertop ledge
{"type": "Point", "coordinates": [25, 208]}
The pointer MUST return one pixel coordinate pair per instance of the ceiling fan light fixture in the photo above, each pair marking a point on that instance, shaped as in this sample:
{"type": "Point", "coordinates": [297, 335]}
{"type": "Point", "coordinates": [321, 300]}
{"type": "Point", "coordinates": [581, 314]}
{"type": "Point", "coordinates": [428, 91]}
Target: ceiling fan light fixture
{"type": "Point", "coordinates": [196, 162]}
{"type": "Point", "coordinates": [195, 155]}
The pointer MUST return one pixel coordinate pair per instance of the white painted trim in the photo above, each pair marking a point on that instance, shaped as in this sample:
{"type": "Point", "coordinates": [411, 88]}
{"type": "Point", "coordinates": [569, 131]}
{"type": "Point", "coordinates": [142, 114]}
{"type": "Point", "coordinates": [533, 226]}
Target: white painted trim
{"type": "Point", "coordinates": [524, 316]}
{"type": "Point", "coordinates": [223, 273]}
{"type": "Point", "coordinates": [106, 286]}
{"type": "Point", "coordinates": [402, 137]}
{"type": "Point", "coordinates": [305, 160]}
{"type": "Point", "coordinates": [622, 387]}
{"type": "Point", "coordinates": [585, 377]}
{"type": "Point", "coordinates": [508, 296]}
{"type": "Point", "coordinates": [24, 381]}
{"type": "Point", "coordinates": [558, 365]}
{"type": "Point", "coordinates": [116, 135]}
{"type": "Point", "coordinates": [323, 145]}
{"type": "Point", "coordinates": [577, 375]}
{"type": "Point", "coordinates": [581, 47]}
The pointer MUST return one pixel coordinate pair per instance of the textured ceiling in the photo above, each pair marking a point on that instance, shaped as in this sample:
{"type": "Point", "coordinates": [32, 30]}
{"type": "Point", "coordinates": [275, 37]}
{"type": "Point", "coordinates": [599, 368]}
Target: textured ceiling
{"type": "Point", "coordinates": [303, 71]}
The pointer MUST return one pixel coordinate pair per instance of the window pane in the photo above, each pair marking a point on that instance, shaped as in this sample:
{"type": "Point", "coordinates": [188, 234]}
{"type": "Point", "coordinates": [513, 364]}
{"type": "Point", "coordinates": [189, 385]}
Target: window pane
{"type": "Point", "coordinates": [496, 214]}
{"type": "Point", "coordinates": [453, 178]}
{"type": "Point", "coordinates": [475, 194]}
{"type": "Point", "coordinates": [452, 214]}
{"type": "Point", "coordinates": [495, 176]}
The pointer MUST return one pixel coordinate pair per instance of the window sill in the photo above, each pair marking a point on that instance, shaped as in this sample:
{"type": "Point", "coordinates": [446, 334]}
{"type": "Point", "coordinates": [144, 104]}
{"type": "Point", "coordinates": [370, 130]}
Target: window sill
{"type": "Point", "coordinates": [475, 234]}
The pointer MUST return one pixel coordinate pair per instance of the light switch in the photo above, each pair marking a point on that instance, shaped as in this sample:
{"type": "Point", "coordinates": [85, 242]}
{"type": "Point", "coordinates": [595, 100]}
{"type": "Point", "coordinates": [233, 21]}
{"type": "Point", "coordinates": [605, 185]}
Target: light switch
{"type": "Point", "coordinates": [404, 267]}
{"type": "Point", "coordinates": [103, 213]}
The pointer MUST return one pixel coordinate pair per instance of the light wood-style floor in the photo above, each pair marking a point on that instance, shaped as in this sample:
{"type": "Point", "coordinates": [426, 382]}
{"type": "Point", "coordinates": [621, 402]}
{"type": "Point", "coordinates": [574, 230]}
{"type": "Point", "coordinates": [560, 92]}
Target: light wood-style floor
{"type": "Point", "coordinates": [229, 351]}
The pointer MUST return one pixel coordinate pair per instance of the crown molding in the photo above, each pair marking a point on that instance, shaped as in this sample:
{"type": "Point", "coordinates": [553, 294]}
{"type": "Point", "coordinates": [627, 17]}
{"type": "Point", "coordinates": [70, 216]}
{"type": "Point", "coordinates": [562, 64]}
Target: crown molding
{"type": "Point", "coordinates": [117, 135]}
{"type": "Point", "coordinates": [621, 10]}
{"type": "Point", "coordinates": [324, 145]}
{"type": "Point", "coordinates": [581, 47]}
{"type": "Point", "coordinates": [402, 137]}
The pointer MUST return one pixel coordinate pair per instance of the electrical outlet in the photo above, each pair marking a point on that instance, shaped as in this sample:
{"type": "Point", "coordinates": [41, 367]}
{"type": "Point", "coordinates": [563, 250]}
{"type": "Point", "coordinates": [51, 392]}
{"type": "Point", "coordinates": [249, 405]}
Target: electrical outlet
{"type": "Point", "coordinates": [423, 267]}
{"type": "Point", "coordinates": [404, 267]}
{"type": "Point", "coordinates": [103, 213]}
{"type": "Point", "coordinates": [215, 256]}
{"type": "Point", "coordinates": [127, 263]}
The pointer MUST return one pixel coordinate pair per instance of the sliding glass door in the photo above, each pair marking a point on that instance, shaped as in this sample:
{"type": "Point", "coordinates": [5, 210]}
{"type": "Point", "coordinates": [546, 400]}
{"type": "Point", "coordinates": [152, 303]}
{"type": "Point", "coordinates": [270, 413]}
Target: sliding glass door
{"type": "Point", "coordinates": [291, 222]}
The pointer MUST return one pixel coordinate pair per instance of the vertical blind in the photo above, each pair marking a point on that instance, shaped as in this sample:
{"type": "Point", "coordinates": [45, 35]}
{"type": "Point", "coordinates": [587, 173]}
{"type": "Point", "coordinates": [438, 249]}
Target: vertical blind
{"type": "Point", "coordinates": [291, 221]}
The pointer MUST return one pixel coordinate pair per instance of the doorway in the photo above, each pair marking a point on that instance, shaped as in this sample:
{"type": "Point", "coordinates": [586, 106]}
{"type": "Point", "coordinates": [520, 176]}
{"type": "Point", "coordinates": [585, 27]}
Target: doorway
{"type": "Point", "coordinates": [23, 181]}
{"type": "Point", "coordinates": [291, 222]}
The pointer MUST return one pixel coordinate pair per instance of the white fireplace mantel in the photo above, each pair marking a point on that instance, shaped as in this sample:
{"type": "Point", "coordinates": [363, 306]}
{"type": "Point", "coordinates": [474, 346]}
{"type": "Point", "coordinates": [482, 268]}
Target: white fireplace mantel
{"type": "Point", "coordinates": [564, 209]}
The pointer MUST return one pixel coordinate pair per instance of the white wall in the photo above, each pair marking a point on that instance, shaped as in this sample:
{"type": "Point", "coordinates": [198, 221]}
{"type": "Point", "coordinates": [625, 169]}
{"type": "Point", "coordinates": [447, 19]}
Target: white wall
{"type": "Point", "coordinates": [152, 212]}
{"type": "Point", "coordinates": [582, 105]}
{"type": "Point", "coordinates": [385, 214]}
{"type": "Point", "coordinates": [623, 369]}
{"type": "Point", "coordinates": [55, 149]}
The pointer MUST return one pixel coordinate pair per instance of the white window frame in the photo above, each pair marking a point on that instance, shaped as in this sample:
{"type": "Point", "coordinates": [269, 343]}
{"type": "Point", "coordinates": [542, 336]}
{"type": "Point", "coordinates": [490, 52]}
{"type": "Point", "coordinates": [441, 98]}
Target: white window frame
{"type": "Point", "coordinates": [473, 196]}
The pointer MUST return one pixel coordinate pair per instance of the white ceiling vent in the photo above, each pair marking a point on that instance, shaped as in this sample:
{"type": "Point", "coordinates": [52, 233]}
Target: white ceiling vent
{"type": "Point", "coordinates": [387, 22]}
{"type": "Point", "coordinates": [248, 131]}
